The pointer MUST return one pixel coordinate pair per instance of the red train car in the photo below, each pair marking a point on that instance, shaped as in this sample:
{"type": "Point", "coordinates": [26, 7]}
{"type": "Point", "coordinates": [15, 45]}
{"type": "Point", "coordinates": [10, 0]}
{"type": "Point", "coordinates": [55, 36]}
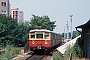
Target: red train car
{"type": "Point", "coordinates": [41, 39]}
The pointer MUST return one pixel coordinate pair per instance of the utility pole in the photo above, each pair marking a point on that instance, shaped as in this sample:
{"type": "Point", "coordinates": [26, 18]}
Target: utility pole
{"type": "Point", "coordinates": [67, 30]}
{"type": "Point", "coordinates": [71, 27]}
{"type": "Point", "coordinates": [64, 34]}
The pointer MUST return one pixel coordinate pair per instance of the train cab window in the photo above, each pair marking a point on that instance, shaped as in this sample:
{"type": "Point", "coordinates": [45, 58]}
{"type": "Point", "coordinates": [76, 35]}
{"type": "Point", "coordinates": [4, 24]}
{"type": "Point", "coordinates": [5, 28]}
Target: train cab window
{"type": "Point", "coordinates": [32, 35]}
{"type": "Point", "coordinates": [39, 34]}
{"type": "Point", "coordinates": [46, 35]}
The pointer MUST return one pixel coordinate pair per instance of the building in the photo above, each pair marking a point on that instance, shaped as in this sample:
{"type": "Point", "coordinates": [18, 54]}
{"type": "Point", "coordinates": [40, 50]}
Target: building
{"type": "Point", "coordinates": [16, 14]}
{"type": "Point", "coordinates": [20, 14]}
{"type": "Point", "coordinates": [85, 38]}
{"type": "Point", "coordinates": [5, 7]}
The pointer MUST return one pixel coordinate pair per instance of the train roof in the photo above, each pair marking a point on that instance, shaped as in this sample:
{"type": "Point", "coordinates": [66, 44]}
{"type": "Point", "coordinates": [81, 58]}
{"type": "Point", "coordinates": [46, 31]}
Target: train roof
{"type": "Point", "coordinates": [43, 30]}
{"type": "Point", "coordinates": [40, 30]}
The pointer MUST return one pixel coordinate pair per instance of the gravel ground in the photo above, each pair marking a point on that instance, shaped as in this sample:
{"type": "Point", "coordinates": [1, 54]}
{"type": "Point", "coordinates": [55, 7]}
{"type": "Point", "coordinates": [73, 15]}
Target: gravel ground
{"type": "Point", "coordinates": [48, 58]}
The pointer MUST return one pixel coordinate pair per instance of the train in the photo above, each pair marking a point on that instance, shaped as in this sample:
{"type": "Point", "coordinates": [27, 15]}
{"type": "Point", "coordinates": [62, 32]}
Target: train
{"type": "Point", "coordinates": [42, 39]}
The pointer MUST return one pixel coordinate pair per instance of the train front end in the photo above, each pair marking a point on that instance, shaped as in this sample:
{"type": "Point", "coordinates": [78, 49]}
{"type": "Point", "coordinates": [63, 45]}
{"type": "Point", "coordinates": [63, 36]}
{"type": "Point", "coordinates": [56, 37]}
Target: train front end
{"type": "Point", "coordinates": [39, 40]}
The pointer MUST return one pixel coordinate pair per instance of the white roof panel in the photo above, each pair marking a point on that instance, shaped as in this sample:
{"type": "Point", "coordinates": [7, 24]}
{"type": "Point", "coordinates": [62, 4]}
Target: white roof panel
{"type": "Point", "coordinates": [40, 30]}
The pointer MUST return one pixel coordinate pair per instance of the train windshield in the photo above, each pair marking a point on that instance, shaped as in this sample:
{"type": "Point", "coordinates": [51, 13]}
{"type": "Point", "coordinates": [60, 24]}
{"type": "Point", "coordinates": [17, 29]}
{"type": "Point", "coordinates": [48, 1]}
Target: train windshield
{"type": "Point", "coordinates": [33, 35]}
{"type": "Point", "coordinates": [39, 35]}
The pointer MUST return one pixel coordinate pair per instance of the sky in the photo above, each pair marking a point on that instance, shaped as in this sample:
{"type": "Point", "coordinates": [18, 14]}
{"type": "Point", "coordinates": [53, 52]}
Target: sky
{"type": "Point", "coordinates": [57, 10]}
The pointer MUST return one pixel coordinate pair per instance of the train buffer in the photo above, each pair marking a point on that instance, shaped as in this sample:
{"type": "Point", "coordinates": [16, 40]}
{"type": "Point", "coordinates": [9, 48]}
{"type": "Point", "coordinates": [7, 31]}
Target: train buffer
{"type": "Point", "coordinates": [62, 49]}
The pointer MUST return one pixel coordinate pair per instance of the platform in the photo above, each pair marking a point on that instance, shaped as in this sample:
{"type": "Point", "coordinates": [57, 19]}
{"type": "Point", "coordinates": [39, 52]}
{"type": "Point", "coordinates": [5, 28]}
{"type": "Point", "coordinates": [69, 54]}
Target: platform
{"type": "Point", "coordinates": [62, 49]}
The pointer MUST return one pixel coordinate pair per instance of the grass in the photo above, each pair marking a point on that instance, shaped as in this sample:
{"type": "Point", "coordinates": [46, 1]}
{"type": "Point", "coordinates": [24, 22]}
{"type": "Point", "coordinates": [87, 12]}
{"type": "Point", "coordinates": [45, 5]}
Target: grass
{"type": "Point", "coordinates": [1, 46]}
{"type": "Point", "coordinates": [76, 51]}
{"type": "Point", "coordinates": [10, 52]}
{"type": "Point", "coordinates": [58, 56]}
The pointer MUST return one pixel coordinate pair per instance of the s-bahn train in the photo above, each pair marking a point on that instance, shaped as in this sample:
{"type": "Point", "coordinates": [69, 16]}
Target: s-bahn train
{"type": "Point", "coordinates": [42, 39]}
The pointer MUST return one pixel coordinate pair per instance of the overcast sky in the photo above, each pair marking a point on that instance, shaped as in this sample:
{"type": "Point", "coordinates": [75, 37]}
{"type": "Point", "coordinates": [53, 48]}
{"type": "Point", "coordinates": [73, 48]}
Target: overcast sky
{"type": "Point", "coordinates": [57, 10]}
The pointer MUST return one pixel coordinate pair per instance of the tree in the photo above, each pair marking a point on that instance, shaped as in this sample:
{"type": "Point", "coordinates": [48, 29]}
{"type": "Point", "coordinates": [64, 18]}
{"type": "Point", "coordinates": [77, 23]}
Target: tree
{"type": "Point", "coordinates": [7, 25]}
{"type": "Point", "coordinates": [42, 22]}
{"type": "Point", "coordinates": [22, 31]}
{"type": "Point", "coordinates": [13, 32]}
{"type": "Point", "coordinates": [76, 33]}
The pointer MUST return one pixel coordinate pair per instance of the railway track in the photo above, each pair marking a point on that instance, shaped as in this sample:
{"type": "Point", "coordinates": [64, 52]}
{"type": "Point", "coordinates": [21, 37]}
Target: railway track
{"type": "Point", "coordinates": [23, 57]}
{"type": "Point", "coordinates": [32, 56]}
{"type": "Point", "coordinates": [35, 57]}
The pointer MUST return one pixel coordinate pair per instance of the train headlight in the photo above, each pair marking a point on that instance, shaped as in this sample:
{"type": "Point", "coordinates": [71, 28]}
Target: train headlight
{"type": "Point", "coordinates": [46, 42]}
{"type": "Point", "coordinates": [33, 42]}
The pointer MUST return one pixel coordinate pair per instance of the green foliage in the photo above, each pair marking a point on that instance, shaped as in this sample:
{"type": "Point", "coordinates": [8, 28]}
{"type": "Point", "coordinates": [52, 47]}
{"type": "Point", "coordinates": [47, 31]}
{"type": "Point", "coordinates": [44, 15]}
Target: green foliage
{"type": "Point", "coordinates": [76, 33]}
{"type": "Point", "coordinates": [44, 22]}
{"type": "Point", "coordinates": [22, 31]}
{"type": "Point", "coordinates": [57, 56]}
{"type": "Point", "coordinates": [12, 32]}
{"type": "Point", "coordinates": [78, 48]}
{"type": "Point", "coordinates": [76, 51]}
{"type": "Point", "coordinates": [7, 25]}
{"type": "Point", "coordinates": [10, 52]}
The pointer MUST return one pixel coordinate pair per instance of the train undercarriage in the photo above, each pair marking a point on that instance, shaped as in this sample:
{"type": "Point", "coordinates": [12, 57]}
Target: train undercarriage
{"type": "Point", "coordinates": [42, 49]}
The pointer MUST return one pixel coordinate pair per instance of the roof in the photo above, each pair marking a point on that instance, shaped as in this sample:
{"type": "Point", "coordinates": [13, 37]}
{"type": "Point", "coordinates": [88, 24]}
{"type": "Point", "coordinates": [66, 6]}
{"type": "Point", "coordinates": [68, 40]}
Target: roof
{"type": "Point", "coordinates": [86, 25]}
{"type": "Point", "coordinates": [40, 30]}
{"type": "Point", "coordinates": [43, 30]}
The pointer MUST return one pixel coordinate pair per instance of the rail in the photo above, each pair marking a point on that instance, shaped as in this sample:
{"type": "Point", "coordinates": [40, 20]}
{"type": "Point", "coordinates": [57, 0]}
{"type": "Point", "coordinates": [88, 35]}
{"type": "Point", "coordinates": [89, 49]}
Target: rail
{"type": "Point", "coordinates": [35, 57]}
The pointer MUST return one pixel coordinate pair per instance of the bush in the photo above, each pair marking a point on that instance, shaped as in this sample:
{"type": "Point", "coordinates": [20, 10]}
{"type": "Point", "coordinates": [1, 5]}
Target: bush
{"type": "Point", "coordinates": [78, 48]}
{"type": "Point", "coordinates": [10, 52]}
{"type": "Point", "coordinates": [76, 51]}
{"type": "Point", "coordinates": [57, 56]}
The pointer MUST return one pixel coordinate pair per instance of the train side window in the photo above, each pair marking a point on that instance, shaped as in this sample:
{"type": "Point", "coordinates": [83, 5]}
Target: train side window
{"type": "Point", "coordinates": [46, 35]}
{"type": "Point", "coordinates": [32, 35]}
